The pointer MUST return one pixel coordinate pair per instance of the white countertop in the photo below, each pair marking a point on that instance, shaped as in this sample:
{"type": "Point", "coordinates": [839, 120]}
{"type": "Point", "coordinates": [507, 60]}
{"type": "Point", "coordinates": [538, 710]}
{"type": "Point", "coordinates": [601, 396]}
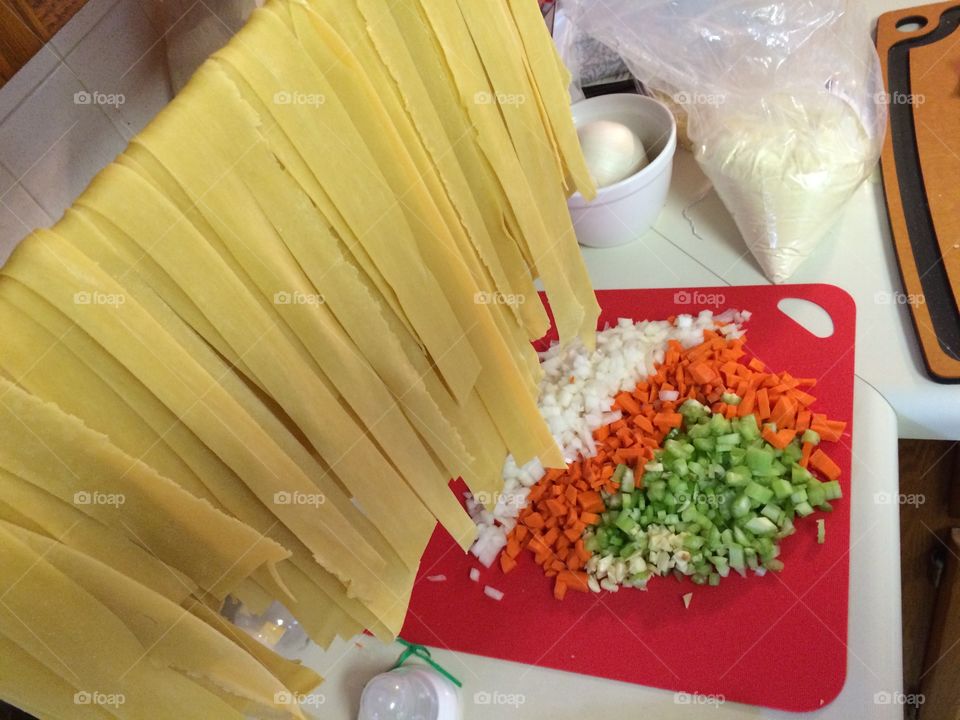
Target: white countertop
{"type": "Point", "coordinates": [874, 666]}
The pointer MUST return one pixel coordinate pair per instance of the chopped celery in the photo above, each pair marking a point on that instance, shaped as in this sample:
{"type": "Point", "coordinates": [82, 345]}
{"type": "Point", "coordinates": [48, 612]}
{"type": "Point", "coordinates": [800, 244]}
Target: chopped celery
{"type": "Point", "coordinates": [781, 488]}
{"type": "Point", "coordinates": [730, 398]}
{"type": "Point", "coordinates": [740, 507]}
{"type": "Point", "coordinates": [832, 490]}
{"type": "Point", "coordinates": [758, 493]}
{"type": "Point", "coordinates": [748, 428]}
{"type": "Point", "coordinates": [810, 436]}
{"type": "Point", "coordinates": [715, 498]}
{"type": "Point", "coordinates": [619, 472]}
{"type": "Point", "coordinates": [761, 526]}
{"type": "Point", "coordinates": [628, 483]}
{"type": "Point", "coordinates": [821, 531]}
{"type": "Point", "coordinates": [759, 459]}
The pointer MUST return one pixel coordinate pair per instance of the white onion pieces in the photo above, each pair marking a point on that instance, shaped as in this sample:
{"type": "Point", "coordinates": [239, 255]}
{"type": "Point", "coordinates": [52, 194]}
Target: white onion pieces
{"type": "Point", "coordinates": [492, 592]}
{"type": "Point", "coordinates": [437, 578]}
{"type": "Point", "coordinates": [474, 574]}
{"type": "Point", "coordinates": [576, 395]}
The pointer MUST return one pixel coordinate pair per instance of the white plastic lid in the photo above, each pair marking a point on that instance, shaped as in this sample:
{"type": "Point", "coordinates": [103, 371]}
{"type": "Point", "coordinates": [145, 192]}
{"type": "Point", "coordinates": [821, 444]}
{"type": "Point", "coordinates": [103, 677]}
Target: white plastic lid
{"type": "Point", "coordinates": [411, 692]}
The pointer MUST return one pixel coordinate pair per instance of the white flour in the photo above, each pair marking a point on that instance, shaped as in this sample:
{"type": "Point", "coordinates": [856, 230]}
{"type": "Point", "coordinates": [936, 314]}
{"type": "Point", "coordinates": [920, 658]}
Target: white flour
{"type": "Point", "coordinates": [785, 168]}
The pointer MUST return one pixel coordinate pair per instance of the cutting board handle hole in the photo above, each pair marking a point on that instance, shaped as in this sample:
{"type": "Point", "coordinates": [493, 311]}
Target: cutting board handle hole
{"type": "Point", "coordinates": [808, 315]}
{"type": "Point", "coordinates": [911, 23]}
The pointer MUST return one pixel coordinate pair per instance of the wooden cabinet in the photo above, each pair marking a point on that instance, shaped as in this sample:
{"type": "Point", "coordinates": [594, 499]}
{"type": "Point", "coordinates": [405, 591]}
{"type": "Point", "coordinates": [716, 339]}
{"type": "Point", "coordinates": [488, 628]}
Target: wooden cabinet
{"type": "Point", "coordinates": [26, 25]}
{"type": "Point", "coordinates": [930, 574]}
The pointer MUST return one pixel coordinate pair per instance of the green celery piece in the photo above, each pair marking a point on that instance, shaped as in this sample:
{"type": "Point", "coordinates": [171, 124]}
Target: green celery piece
{"type": "Point", "coordinates": [792, 453]}
{"type": "Point", "coordinates": [738, 476]}
{"type": "Point", "coordinates": [748, 428]}
{"type": "Point", "coordinates": [729, 440]}
{"type": "Point", "coordinates": [781, 488]}
{"type": "Point", "coordinates": [740, 506]}
{"type": "Point", "coordinates": [758, 493]}
{"type": "Point", "coordinates": [811, 436]}
{"type": "Point", "coordinates": [816, 494]}
{"type": "Point", "coordinates": [832, 490]}
{"type": "Point", "coordinates": [821, 531]}
{"type": "Point", "coordinates": [619, 472]}
{"type": "Point", "coordinates": [761, 526]}
{"type": "Point", "coordinates": [772, 511]}
{"type": "Point", "coordinates": [704, 444]}
{"type": "Point", "coordinates": [759, 459]}
{"type": "Point", "coordinates": [719, 425]}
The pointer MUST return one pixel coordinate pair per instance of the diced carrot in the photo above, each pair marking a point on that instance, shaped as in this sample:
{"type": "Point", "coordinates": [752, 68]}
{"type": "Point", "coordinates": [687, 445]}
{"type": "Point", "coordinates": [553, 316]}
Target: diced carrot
{"type": "Point", "coordinates": [513, 547]}
{"type": "Point", "coordinates": [803, 420]}
{"type": "Point", "coordinates": [668, 420]}
{"type": "Point", "coordinates": [556, 507]}
{"type": "Point", "coordinates": [575, 580]}
{"type": "Point", "coordinates": [824, 464]}
{"type": "Point", "coordinates": [533, 520]}
{"type": "Point", "coordinates": [591, 502]}
{"type": "Point", "coordinates": [626, 402]}
{"type": "Point", "coordinates": [805, 399]}
{"type": "Point", "coordinates": [763, 404]}
{"type": "Point", "coordinates": [507, 563]}
{"type": "Point", "coordinates": [703, 373]}
{"type": "Point", "coordinates": [643, 423]}
{"type": "Point", "coordinates": [559, 589]}
{"type": "Point", "coordinates": [784, 412]}
{"type": "Point", "coordinates": [550, 537]}
{"type": "Point", "coordinates": [589, 518]}
{"type": "Point", "coordinates": [805, 450]}
{"type": "Point", "coordinates": [781, 438]}
{"type": "Point", "coordinates": [756, 364]}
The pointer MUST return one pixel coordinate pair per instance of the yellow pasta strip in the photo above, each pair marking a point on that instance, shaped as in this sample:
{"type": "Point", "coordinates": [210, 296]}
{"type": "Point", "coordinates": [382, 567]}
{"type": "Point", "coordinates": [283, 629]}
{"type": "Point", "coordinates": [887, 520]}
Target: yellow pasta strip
{"type": "Point", "coordinates": [540, 53]}
{"type": "Point", "coordinates": [253, 240]}
{"type": "Point", "coordinates": [200, 402]}
{"type": "Point", "coordinates": [58, 453]}
{"type": "Point", "coordinates": [68, 525]}
{"type": "Point", "coordinates": [171, 637]}
{"type": "Point", "coordinates": [341, 162]}
{"type": "Point", "coordinates": [89, 647]}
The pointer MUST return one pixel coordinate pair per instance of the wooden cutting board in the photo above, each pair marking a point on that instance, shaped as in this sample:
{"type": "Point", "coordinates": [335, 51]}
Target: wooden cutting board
{"type": "Point", "coordinates": [920, 54]}
{"type": "Point", "coordinates": [778, 641]}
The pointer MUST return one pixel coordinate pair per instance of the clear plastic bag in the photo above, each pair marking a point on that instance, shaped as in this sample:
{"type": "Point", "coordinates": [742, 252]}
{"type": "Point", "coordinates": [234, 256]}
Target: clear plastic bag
{"type": "Point", "coordinates": [785, 104]}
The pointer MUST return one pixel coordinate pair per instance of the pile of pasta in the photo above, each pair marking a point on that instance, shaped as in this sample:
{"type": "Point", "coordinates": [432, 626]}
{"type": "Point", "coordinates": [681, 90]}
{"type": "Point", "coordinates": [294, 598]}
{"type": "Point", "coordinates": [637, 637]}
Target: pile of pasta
{"type": "Point", "coordinates": [251, 356]}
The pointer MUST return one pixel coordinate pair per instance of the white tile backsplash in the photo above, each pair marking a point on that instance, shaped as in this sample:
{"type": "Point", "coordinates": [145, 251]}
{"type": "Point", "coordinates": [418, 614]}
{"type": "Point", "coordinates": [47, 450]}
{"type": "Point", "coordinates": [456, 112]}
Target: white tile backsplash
{"type": "Point", "coordinates": [55, 143]}
{"type": "Point", "coordinates": [114, 48]}
{"type": "Point", "coordinates": [27, 79]}
{"type": "Point", "coordinates": [124, 56]}
{"type": "Point", "coordinates": [19, 214]}
{"type": "Point", "coordinates": [54, 137]}
{"type": "Point", "coordinates": [80, 24]}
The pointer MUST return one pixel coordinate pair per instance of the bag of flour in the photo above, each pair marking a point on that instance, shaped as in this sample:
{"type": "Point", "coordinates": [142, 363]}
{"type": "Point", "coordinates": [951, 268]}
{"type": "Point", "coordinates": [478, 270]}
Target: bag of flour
{"type": "Point", "coordinates": [785, 104]}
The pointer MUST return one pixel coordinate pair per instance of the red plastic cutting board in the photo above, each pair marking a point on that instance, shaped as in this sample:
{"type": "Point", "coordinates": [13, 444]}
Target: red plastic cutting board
{"type": "Point", "coordinates": [778, 641]}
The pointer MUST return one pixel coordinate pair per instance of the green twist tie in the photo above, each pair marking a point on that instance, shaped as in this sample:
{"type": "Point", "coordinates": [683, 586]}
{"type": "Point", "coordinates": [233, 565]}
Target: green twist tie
{"type": "Point", "coordinates": [421, 652]}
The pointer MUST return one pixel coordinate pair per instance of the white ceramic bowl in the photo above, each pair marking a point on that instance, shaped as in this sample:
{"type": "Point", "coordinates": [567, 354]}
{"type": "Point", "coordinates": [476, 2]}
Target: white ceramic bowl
{"type": "Point", "coordinates": [624, 211]}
